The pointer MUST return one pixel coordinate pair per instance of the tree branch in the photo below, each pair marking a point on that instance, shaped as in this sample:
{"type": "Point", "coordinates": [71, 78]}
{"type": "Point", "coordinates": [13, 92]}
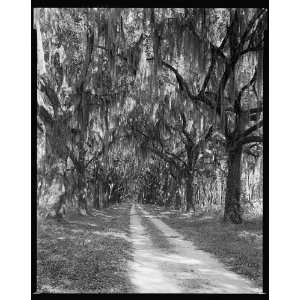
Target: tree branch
{"type": "Point", "coordinates": [250, 25]}
{"type": "Point", "coordinates": [74, 159]}
{"type": "Point", "coordinates": [202, 97]}
{"type": "Point", "coordinates": [45, 88]}
{"type": "Point", "coordinates": [252, 129]}
{"type": "Point", "coordinates": [210, 70]}
{"type": "Point", "coordinates": [251, 139]}
{"type": "Point", "coordinates": [175, 157]}
{"type": "Point", "coordinates": [165, 158]}
{"type": "Point", "coordinates": [244, 88]}
{"type": "Point", "coordinates": [189, 140]}
{"type": "Point", "coordinates": [256, 110]}
{"type": "Point", "coordinates": [44, 115]}
{"type": "Point", "coordinates": [252, 49]}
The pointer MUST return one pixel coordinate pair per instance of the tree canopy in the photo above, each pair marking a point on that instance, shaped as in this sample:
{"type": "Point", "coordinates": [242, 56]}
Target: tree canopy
{"type": "Point", "coordinates": [163, 102]}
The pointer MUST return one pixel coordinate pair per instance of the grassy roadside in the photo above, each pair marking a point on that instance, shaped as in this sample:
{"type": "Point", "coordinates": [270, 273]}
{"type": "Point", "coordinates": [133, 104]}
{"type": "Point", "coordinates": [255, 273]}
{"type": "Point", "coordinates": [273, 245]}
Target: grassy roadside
{"type": "Point", "coordinates": [239, 247]}
{"type": "Point", "coordinates": [85, 254]}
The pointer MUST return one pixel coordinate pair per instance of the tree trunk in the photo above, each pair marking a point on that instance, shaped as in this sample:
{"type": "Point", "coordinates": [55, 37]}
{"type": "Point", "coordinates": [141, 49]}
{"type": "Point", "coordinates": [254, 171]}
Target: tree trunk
{"type": "Point", "coordinates": [170, 196]}
{"type": "Point", "coordinates": [232, 211]}
{"type": "Point", "coordinates": [82, 204]}
{"type": "Point", "coordinates": [189, 193]}
{"type": "Point", "coordinates": [105, 200]}
{"type": "Point", "coordinates": [82, 201]}
{"type": "Point", "coordinates": [40, 189]}
{"type": "Point", "coordinates": [189, 180]}
{"type": "Point", "coordinates": [57, 211]}
{"type": "Point", "coordinates": [96, 195]}
{"type": "Point", "coordinates": [177, 200]}
{"type": "Point", "coordinates": [101, 195]}
{"type": "Point", "coordinates": [60, 210]}
{"type": "Point", "coordinates": [96, 189]}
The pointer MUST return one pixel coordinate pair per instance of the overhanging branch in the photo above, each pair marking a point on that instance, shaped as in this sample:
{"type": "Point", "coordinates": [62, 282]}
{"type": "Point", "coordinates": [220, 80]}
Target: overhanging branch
{"type": "Point", "coordinates": [202, 97]}
{"type": "Point", "coordinates": [252, 129]}
{"type": "Point", "coordinates": [243, 89]}
{"type": "Point", "coordinates": [251, 139]}
{"type": "Point", "coordinates": [256, 16]}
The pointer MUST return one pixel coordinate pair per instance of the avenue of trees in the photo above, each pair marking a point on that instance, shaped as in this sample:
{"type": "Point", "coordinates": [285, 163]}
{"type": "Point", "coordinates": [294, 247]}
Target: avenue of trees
{"type": "Point", "coordinates": [161, 104]}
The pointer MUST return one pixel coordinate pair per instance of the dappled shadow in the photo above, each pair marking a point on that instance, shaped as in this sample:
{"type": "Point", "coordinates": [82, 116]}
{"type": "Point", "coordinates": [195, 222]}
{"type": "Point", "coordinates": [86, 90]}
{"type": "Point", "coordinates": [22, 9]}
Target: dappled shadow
{"type": "Point", "coordinates": [118, 235]}
{"type": "Point", "coordinates": [178, 268]}
{"type": "Point", "coordinates": [85, 253]}
{"type": "Point", "coordinates": [193, 274]}
{"type": "Point", "coordinates": [238, 246]}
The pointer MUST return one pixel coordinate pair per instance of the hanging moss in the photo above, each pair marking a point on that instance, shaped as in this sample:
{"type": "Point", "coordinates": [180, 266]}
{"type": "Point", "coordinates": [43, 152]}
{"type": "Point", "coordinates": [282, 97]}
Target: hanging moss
{"type": "Point", "coordinates": [179, 35]}
{"type": "Point", "coordinates": [155, 42]}
{"type": "Point", "coordinates": [171, 43]}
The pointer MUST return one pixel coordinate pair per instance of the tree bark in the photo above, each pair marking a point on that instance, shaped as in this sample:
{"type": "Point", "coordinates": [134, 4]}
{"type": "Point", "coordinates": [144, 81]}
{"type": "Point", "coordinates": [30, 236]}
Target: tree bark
{"type": "Point", "coordinates": [189, 179]}
{"type": "Point", "coordinates": [96, 195]}
{"type": "Point", "coordinates": [189, 193]}
{"type": "Point", "coordinates": [177, 200]}
{"type": "Point", "coordinates": [57, 211]}
{"type": "Point", "coordinates": [83, 119]}
{"type": "Point", "coordinates": [171, 195]}
{"type": "Point", "coordinates": [82, 204]}
{"type": "Point", "coordinates": [101, 195]}
{"type": "Point", "coordinates": [232, 212]}
{"type": "Point", "coordinates": [96, 189]}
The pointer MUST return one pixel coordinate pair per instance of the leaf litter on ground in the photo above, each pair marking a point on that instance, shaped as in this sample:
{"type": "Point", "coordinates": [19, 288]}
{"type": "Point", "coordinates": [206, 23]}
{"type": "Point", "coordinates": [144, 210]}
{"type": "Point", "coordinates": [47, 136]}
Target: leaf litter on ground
{"type": "Point", "coordinates": [85, 254]}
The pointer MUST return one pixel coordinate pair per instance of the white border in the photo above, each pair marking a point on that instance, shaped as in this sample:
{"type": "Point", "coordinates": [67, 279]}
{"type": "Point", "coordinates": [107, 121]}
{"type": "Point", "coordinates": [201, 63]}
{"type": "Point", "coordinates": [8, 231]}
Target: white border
{"type": "Point", "coordinates": [284, 150]}
{"type": "Point", "coordinates": [15, 54]}
{"type": "Point", "coordinates": [15, 120]}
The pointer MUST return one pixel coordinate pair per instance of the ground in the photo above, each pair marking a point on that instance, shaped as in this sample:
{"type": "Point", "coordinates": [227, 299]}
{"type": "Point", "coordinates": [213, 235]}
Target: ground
{"type": "Point", "coordinates": [131, 248]}
{"type": "Point", "coordinates": [85, 254]}
{"type": "Point", "coordinates": [239, 247]}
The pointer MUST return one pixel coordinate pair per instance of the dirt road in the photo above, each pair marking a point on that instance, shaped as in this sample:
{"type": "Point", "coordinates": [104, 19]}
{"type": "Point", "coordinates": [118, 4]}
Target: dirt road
{"type": "Point", "coordinates": [181, 268]}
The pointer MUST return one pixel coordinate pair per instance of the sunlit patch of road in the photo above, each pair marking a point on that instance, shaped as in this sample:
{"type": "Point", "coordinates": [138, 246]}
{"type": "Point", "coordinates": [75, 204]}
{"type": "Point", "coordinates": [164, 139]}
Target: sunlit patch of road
{"type": "Point", "coordinates": [185, 269]}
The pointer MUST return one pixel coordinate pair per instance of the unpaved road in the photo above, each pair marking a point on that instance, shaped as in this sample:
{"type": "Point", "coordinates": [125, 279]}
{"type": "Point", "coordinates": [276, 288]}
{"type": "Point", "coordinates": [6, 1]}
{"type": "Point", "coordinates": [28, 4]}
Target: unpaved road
{"type": "Point", "coordinates": [181, 269]}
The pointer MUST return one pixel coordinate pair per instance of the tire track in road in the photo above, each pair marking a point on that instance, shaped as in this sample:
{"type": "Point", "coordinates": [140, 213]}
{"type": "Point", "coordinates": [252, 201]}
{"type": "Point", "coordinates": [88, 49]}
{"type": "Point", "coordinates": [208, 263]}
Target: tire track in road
{"type": "Point", "coordinates": [185, 269]}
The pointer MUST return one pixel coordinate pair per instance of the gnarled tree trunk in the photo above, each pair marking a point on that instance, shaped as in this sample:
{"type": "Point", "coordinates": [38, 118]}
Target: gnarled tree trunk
{"type": "Point", "coordinates": [96, 196]}
{"type": "Point", "coordinates": [189, 180]}
{"type": "Point", "coordinates": [189, 193]}
{"type": "Point", "coordinates": [96, 203]}
{"type": "Point", "coordinates": [101, 195]}
{"type": "Point", "coordinates": [82, 204]}
{"type": "Point", "coordinates": [57, 211]}
{"type": "Point", "coordinates": [232, 211]}
{"type": "Point", "coordinates": [177, 200]}
{"type": "Point", "coordinates": [82, 201]}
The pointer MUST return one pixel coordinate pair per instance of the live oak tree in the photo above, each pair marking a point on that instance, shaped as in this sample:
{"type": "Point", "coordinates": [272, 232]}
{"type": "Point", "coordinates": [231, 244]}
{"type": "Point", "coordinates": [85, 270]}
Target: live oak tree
{"type": "Point", "coordinates": [179, 141]}
{"type": "Point", "coordinates": [61, 122]}
{"type": "Point", "coordinates": [225, 47]}
{"type": "Point", "coordinates": [96, 65]}
{"type": "Point", "coordinates": [78, 78]}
